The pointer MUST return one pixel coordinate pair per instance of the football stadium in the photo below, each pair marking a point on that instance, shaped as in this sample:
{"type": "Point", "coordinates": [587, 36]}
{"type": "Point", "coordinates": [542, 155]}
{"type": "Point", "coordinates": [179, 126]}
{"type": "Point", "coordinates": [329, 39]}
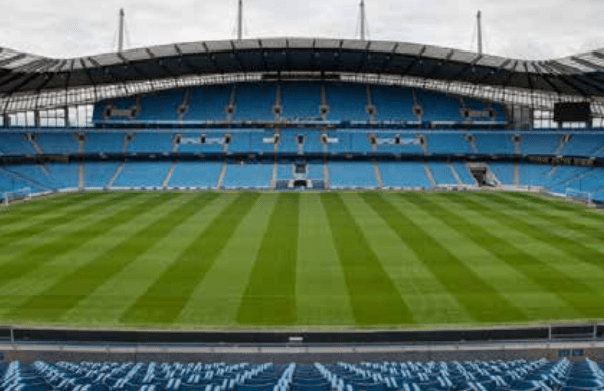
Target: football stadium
{"type": "Point", "coordinates": [301, 214]}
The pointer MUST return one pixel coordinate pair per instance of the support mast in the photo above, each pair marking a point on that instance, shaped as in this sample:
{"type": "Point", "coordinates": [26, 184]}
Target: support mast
{"type": "Point", "coordinates": [120, 43]}
{"type": "Point", "coordinates": [362, 20]}
{"type": "Point", "coordinates": [240, 21]}
{"type": "Point", "coordinates": [479, 22]}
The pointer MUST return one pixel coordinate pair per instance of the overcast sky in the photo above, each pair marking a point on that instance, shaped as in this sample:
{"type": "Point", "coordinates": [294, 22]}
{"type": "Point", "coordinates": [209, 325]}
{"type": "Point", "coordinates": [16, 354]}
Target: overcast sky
{"type": "Point", "coordinates": [526, 29]}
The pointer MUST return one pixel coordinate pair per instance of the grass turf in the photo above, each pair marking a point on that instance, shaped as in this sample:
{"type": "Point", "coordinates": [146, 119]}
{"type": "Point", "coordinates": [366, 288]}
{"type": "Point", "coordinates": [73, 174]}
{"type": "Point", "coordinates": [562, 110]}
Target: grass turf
{"type": "Point", "coordinates": [324, 260]}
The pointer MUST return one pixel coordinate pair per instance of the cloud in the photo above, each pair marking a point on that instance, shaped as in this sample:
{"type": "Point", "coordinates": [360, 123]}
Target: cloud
{"type": "Point", "coordinates": [535, 29]}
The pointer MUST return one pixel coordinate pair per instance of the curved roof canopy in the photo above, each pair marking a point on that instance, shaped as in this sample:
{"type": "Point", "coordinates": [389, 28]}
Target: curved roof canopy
{"type": "Point", "coordinates": [576, 75]}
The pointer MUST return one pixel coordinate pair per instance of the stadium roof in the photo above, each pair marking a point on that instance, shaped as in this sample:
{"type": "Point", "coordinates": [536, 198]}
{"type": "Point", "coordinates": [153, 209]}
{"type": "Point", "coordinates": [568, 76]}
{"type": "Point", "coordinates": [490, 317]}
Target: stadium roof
{"type": "Point", "coordinates": [576, 75]}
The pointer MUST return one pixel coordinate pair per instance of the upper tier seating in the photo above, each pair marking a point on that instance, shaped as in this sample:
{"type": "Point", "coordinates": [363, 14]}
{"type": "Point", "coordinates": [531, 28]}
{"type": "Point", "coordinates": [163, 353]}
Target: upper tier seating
{"type": "Point", "coordinates": [393, 103]}
{"type": "Point", "coordinates": [537, 375]}
{"type": "Point", "coordinates": [208, 104]}
{"type": "Point", "coordinates": [299, 100]}
{"type": "Point", "coordinates": [347, 102]}
{"type": "Point", "coordinates": [439, 107]}
{"type": "Point", "coordinates": [255, 102]}
{"type": "Point", "coordinates": [161, 106]}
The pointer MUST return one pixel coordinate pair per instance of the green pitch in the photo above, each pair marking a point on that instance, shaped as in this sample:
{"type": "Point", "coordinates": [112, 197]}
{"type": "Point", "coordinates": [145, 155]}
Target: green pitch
{"type": "Point", "coordinates": [323, 260]}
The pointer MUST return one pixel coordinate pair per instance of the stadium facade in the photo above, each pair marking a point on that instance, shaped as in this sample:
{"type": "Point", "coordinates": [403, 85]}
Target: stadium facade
{"type": "Point", "coordinates": [300, 113]}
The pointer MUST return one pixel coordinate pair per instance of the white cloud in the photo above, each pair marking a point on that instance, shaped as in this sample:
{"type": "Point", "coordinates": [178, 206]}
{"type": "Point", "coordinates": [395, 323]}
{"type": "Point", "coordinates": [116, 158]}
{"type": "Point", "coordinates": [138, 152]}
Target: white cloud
{"type": "Point", "coordinates": [533, 29]}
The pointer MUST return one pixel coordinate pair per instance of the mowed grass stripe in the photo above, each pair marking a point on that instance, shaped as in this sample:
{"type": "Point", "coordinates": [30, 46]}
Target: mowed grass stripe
{"type": "Point", "coordinates": [270, 296]}
{"type": "Point", "coordinates": [569, 246]}
{"type": "Point", "coordinates": [165, 299]}
{"type": "Point", "coordinates": [74, 248]}
{"type": "Point", "coordinates": [428, 300]}
{"type": "Point", "coordinates": [24, 210]}
{"type": "Point", "coordinates": [568, 222]}
{"type": "Point", "coordinates": [53, 217]}
{"type": "Point", "coordinates": [571, 290]}
{"type": "Point", "coordinates": [321, 294]}
{"type": "Point", "coordinates": [373, 296]}
{"type": "Point", "coordinates": [31, 258]}
{"type": "Point", "coordinates": [555, 203]}
{"type": "Point", "coordinates": [471, 291]}
{"type": "Point", "coordinates": [216, 299]}
{"type": "Point", "coordinates": [523, 293]}
{"type": "Point", "coordinates": [75, 236]}
{"type": "Point", "coordinates": [107, 304]}
{"type": "Point", "coordinates": [67, 292]}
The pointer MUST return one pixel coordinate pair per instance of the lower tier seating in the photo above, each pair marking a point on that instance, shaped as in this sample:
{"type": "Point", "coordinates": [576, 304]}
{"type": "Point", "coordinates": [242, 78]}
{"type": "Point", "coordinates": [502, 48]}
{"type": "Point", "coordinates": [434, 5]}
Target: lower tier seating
{"type": "Point", "coordinates": [521, 375]}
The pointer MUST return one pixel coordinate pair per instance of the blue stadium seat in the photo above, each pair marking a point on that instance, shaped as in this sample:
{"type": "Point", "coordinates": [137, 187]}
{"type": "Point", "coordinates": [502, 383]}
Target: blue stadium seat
{"type": "Point", "coordinates": [404, 174]}
{"type": "Point", "coordinates": [196, 174]}
{"type": "Point", "coordinates": [97, 142]}
{"type": "Point", "coordinates": [142, 174]}
{"type": "Point", "coordinates": [255, 102]}
{"type": "Point", "coordinates": [301, 100]}
{"type": "Point", "coordinates": [352, 174]}
{"type": "Point", "coordinates": [248, 175]}
{"type": "Point", "coordinates": [393, 104]}
{"type": "Point", "coordinates": [347, 102]}
{"type": "Point", "coordinates": [442, 173]}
